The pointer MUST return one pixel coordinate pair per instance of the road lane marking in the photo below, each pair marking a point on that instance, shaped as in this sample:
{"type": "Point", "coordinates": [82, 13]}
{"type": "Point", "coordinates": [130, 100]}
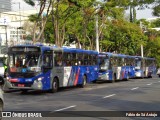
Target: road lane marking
{"type": "Point", "coordinates": [158, 81]}
{"type": "Point", "coordinates": [66, 108]}
{"type": "Point", "coordinates": [135, 88]}
{"type": "Point", "coordinates": [149, 84]}
{"type": "Point", "coordinates": [109, 96]}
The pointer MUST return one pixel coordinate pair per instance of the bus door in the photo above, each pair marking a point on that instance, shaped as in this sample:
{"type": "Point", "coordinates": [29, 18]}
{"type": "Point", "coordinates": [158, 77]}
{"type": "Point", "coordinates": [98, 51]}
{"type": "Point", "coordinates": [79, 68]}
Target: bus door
{"type": "Point", "coordinates": [47, 66]}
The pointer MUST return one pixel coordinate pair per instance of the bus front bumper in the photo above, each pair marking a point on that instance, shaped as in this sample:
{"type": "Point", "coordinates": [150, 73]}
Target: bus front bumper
{"type": "Point", "coordinates": [36, 85]}
{"type": "Point", "coordinates": [103, 77]}
{"type": "Point", "coordinates": [138, 74]}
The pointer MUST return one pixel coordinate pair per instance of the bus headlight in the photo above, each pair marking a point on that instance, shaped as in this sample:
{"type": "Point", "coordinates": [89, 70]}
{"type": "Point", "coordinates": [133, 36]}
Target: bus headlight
{"type": "Point", "coordinates": [40, 78]}
{"type": "Point", "coordinates": [7, 78]}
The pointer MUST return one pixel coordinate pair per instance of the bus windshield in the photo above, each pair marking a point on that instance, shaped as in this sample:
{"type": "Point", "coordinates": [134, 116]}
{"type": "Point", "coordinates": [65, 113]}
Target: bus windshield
{"type": "Point", "coordinates": [138, 64]}
{"type": "Point", "coordinates": [25, 63]}
{"type": "Point", "coordinates": [104, 64]}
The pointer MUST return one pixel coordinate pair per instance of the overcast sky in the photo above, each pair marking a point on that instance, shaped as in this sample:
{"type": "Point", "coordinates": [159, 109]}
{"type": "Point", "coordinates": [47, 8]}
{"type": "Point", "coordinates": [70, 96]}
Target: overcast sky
{"type": "Point", "coordinates": [147, 13]}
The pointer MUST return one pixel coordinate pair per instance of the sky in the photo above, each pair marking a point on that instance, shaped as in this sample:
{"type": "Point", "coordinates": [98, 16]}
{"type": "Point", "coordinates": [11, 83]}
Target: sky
{"type": "Point", "coordinates": [147, 13]}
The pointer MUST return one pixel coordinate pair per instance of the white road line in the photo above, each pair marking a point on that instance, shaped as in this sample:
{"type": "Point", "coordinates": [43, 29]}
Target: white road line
{"type": "Point", "coordinates": [158, 81]}
{"type": "Point", "coordinates": [149, 84]}
{"type": "Point", "coordinates": [109, 96]}
{"type": "Point", "coordinates": [66, 108]}
{"type": "Point", "coordinates": [135, 88]}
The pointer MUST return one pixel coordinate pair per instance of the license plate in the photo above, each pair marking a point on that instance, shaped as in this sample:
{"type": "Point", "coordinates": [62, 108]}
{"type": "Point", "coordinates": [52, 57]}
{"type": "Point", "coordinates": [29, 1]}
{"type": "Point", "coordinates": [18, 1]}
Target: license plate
{"type": "Point", "coordinates": [20, 85]}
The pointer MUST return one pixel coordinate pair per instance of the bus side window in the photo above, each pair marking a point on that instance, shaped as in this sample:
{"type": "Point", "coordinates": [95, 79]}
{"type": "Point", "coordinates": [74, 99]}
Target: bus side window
{"type": "Point", "coordinates": [67, 59]}
{"type": "Point", "coordinates": [80, 58]}
{"type": "Point", "coordinates": [85, 59]}
{"type": "Point", "coordinates": [58, 59]}
{"type": "Point", "coordinates": [48, 61]}
{"type": "Point", "coordinates": [74, 59]}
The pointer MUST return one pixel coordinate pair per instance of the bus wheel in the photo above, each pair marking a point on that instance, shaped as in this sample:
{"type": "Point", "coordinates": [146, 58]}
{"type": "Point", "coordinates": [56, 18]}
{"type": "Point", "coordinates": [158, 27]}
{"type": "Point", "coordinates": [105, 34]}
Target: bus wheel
{"type": "Point", "coordinates": [54, 85]}
{"type": "Point", "coordinates": [84, 81]}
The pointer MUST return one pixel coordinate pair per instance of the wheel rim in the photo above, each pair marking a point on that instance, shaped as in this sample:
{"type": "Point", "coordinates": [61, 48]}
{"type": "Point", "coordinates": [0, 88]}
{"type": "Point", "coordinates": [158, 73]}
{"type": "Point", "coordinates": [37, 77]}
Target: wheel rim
{"type": "Point", "coordinates": [84, 82]}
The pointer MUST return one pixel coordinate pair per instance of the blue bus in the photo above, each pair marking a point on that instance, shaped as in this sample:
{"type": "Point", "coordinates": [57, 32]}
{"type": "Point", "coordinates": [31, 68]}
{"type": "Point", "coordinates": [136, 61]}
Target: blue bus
{"type": "Point", "coordinates": [39, 67]}
{"type": "Point", "coordinates": [113, 67]}
{"type": "Point", "coordinates": [131, 64]}
{"type": "Point", "coordinates": [144, 66]}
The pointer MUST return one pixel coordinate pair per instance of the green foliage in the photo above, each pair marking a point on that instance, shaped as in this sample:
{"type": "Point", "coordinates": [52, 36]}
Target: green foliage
{"type": "Point", "coordinates": [34, 18]}
{"type": "Point", "coordinates": [74, 20]}
{"type": "Point", "coordinates": [124, 37]}
{"type": "Point", "coordinates": [155, 23]}
{"type": "Point", "coordinates": [156, 10]}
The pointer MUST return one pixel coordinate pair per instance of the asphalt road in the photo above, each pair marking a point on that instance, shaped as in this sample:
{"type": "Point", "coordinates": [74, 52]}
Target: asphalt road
{"type": "Point", "coordinates": [95, 99]}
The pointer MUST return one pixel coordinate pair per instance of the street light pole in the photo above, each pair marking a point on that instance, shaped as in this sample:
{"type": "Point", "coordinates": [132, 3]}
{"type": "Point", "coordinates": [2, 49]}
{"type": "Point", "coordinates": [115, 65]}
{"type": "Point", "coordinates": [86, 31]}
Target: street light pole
{"type": "Point", "coordinates": [97, 35]}
{"type": "Point", "coordinates": [141, 26]}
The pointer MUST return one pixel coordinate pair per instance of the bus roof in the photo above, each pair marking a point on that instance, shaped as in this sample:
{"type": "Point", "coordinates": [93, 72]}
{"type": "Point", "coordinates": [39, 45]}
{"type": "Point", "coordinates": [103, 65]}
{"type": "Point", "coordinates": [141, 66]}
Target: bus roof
{"type": "Point", "coordinates": [63, 49]}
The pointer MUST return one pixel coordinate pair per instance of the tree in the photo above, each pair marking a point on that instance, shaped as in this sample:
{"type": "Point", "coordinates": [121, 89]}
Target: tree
{"type": "Point", "coordinates": [152, 47]}
{"type": "Point", "coordinates": [38, 20]}
{"type": "Point", "coordinates": [123, 37]}
{"type": "Point", "coordinates": [156, 8]}
{"type": "Point", "coordinates": [155, 23]}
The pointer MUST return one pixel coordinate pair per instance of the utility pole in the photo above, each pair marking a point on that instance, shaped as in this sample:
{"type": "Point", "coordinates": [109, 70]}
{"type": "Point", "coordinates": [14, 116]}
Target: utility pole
{"type": "Point", "coordinates": [97, 35]}
{"type": "Point", "coordinates": [97, 28]}
{"type": "Point", "coordinates": [141, 26]}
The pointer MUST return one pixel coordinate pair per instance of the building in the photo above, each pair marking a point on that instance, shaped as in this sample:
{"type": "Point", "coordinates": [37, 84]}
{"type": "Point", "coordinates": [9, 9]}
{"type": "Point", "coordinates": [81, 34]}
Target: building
{"type": "Point", "coordinates": [5, 5]}
{"type": "Point", "coordinates": [11, 24]}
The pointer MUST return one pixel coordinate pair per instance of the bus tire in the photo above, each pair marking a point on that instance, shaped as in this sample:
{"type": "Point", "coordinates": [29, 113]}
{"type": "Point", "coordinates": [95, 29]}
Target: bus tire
{"type": "Point", "coordinates": [84, 82]}
{"type": "Point", "coordinates": [55, 85]}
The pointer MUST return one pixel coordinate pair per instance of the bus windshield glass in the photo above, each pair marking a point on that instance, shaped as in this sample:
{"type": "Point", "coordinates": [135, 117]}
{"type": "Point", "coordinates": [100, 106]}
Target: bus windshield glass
{"type": "Point", "coordinates": [138, 64]}
{"type": "Point", "coordinates": [24, 63]}
{"type": "Point", "coordinates": [104, 64]}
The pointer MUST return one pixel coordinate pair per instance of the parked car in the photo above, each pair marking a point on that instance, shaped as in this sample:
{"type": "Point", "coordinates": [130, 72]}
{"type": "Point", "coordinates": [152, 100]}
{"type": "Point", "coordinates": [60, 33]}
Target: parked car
{"type": "Point", "coordinates": [158, 72]}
